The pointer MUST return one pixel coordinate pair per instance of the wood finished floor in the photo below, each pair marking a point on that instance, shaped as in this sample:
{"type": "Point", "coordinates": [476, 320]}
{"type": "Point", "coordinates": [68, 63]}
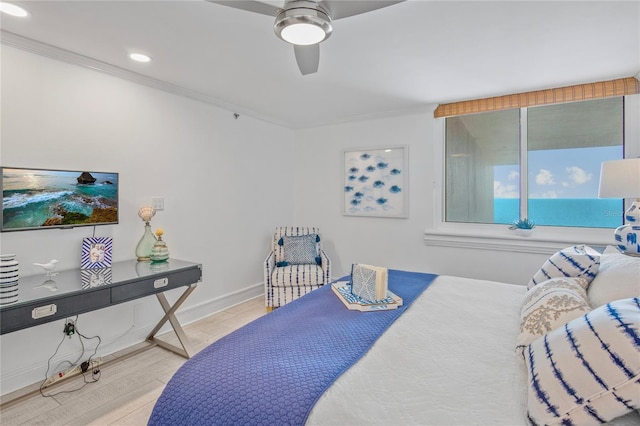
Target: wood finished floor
{"type": "Point", "coordinates": [128, 388]}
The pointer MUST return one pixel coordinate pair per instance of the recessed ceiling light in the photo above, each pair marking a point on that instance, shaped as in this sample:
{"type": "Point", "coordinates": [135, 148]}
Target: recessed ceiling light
{"type": "Point", "coordinates": [12, 9]}
{"type": "Point", "coordinates": [140, 57]}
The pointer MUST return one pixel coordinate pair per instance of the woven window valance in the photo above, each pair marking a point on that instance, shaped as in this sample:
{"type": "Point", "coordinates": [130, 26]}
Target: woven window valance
{"type": "Point", "coordinates": [579, 92]}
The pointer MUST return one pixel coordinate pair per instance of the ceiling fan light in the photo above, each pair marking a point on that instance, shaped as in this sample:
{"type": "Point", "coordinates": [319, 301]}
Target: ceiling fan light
{"type": "Point", "coordinates": [303, 26]}
{"type": "Point", "coordinates": [303, 34]}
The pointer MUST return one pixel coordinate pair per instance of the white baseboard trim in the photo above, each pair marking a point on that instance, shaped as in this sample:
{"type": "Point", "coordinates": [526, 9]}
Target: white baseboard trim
{"type": "Point", "coordinates": [30, 375]}
{"type": "Point", "coordinates": [213, 306]}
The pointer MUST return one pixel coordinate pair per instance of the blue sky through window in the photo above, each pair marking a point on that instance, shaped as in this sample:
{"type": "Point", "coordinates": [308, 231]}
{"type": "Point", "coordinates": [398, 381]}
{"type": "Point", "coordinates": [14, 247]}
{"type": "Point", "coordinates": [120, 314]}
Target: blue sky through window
{"type": "Point", "coordinates": [563, 189]}
{"type": "Point", "coordinates": [557, 173]}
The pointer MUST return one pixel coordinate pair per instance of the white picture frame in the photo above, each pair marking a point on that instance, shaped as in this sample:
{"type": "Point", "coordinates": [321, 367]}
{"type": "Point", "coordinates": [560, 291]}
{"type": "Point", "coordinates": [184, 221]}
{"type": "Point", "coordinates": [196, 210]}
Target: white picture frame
{"type": "Point", "coordinates": [376, 182]}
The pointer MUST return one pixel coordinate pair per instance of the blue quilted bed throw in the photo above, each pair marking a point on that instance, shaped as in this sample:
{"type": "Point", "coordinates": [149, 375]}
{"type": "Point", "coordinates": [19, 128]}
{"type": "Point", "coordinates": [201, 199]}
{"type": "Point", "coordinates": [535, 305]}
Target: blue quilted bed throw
{"type": "Point", "coordinates": [273, 370]}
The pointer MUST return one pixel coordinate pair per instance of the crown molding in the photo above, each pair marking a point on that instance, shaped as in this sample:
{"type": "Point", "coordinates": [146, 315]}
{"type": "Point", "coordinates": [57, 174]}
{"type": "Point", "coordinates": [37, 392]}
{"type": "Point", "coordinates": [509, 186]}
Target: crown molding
{"type": "Point", "coordinates": [47, 50]}
{"type": "Point", "coordinates": [17, 41]}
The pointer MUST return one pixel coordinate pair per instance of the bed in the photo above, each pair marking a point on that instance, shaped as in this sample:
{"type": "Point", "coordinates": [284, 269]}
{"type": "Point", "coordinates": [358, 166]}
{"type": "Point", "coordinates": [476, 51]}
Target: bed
{"type": "Point", "coordinates": [446, 358]}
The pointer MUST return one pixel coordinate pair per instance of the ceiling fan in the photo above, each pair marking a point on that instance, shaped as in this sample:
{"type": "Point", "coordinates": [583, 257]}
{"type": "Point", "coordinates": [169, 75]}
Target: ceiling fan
{"type": "Point", "coordinates": [306, 23]}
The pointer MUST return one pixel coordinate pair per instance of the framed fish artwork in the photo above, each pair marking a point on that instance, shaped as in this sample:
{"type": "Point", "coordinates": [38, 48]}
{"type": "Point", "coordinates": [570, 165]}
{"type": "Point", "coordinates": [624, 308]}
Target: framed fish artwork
{"type": "Point", "coordinates": [376, 182]}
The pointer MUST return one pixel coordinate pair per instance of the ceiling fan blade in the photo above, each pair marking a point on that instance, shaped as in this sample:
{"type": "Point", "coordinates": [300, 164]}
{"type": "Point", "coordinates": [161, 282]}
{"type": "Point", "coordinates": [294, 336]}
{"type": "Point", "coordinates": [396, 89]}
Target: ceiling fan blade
{"type": "Point", "coordinates": [339, 9]}
{"type": "Point", "coordinates": [249, 5]}
{"type": "Point", "coordinates": [308, 58]}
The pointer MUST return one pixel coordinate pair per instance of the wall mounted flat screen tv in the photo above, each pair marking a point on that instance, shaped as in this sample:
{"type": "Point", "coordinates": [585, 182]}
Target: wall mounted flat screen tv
{"type": "Point", "coordinates": [42, 199]}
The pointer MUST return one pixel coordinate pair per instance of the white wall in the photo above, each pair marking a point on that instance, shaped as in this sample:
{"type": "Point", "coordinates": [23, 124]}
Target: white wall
{"type": "Point", "coordinates": [394, 243]}
{"type": "Point", "coordinates": [227, 183]}
{"type": "Point", "coordinates": [223, 194]}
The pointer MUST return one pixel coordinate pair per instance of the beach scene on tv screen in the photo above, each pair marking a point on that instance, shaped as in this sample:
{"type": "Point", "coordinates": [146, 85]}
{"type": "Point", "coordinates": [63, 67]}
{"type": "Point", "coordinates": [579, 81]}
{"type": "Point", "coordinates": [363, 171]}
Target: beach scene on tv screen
{"type": "Point", "coordinates": [51, 198]}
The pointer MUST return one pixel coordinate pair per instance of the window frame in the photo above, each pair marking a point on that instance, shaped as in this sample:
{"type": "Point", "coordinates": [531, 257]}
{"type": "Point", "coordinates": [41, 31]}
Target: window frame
{"type": "Point", "coordinates": [546, 239]}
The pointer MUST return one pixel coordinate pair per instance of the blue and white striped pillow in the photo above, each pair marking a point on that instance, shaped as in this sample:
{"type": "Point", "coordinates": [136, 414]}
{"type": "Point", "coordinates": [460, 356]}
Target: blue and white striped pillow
{"type": "Point", "coordinates": [576, 261]}
{"type": "Point", "coordinates": [588, 371]}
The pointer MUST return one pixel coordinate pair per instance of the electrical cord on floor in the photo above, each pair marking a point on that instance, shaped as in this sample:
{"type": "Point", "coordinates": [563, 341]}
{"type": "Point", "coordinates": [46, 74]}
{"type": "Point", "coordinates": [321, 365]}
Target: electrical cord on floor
{"type": "Point", "coordinates": [85, 366]}
{"type": "Point", "coordinates": [95, 372]}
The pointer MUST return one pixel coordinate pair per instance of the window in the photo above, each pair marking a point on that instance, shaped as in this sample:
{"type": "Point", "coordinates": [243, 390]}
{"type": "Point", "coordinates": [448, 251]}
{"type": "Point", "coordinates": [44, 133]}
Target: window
{"type": "Point", "coordinates": [541, 163]}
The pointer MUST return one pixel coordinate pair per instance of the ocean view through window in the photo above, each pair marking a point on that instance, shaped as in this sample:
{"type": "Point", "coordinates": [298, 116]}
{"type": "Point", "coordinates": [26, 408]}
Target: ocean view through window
{"type": "Point", "coordinates": [541, 163]}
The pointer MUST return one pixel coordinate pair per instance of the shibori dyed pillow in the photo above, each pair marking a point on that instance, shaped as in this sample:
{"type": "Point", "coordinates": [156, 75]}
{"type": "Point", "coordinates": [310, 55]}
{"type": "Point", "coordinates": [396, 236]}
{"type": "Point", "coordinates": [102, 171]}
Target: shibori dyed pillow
{"type": "Point", "coordinates": [576, 261]}
{"type": "Point", "coordinates": [300, 250]}
{"type": "Point", "coordinates": [588, 371]}
{"type": "Point", "coordinates": [550, 305]}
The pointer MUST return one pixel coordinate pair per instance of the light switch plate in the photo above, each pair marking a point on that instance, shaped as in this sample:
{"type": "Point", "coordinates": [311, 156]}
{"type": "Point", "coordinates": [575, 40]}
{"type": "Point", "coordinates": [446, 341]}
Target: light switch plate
{"type": "Point", "coordinates": [157, 203]}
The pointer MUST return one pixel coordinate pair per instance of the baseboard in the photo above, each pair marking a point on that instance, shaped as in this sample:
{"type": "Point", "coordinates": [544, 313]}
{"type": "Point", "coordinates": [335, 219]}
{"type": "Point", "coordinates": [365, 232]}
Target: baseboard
{"type": "Point", "coordinates": [207, 308]}
{"type": "Point", "coordinates": [16, 383]}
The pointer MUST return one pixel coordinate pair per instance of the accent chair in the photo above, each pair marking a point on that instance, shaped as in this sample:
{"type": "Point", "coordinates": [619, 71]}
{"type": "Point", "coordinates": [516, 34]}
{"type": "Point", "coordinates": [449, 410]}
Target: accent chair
{"type": "Point", "coordinates": [295, 266]}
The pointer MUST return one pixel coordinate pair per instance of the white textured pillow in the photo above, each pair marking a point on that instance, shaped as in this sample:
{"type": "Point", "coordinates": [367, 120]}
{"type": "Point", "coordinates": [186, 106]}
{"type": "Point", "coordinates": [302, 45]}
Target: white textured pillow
{"type": "Point", "coordinates": [550, 305]}
{"type": "Point", "coordinates": [618, 278]}
{"type": "Point", "coordinates": [576, 261]}
{"type": "Point", "coordinates": [588, 371]}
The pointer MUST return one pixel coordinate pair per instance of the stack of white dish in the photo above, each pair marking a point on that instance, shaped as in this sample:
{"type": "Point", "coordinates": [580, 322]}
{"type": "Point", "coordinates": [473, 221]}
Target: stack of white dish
{"type": "Point", "coordinates": [9, 267]}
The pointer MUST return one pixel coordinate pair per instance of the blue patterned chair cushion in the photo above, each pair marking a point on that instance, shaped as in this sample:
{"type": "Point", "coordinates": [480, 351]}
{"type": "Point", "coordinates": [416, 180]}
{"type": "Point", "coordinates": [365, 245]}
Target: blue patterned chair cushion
{"type": "Point", "coordinates": [588, 371]}
{"type": "Point", "coordinates": [576, 261]}
{"type": "Point", "coordinates": [298, 275]}
{"type": "Point", "coordinates": [301, 250]}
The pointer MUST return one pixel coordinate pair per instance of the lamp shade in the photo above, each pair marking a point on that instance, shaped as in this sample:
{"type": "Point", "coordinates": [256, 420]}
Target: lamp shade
{"type": "Point", "coordinates": [620, 179]}
{"type": "Point", "coordinates": [146, 213]}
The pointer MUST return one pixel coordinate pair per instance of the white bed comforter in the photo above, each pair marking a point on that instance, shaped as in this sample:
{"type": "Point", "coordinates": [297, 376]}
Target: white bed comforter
{"type": "Point", "coordinates": [448, 360]}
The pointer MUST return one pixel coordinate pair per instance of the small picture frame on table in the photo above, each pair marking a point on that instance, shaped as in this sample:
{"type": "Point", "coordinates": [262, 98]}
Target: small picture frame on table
{"type": "Point", "coordinates": [96, 253]}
